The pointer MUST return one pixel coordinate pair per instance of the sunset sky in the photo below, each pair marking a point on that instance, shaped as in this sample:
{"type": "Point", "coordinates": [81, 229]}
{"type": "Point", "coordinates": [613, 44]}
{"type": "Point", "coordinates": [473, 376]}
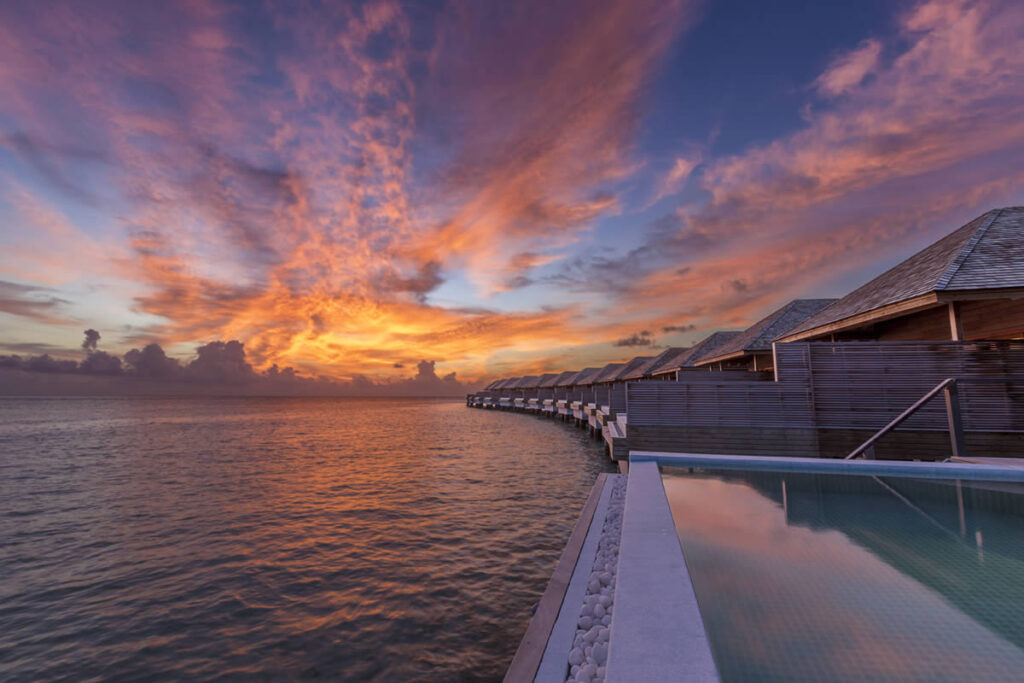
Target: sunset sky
{"type": "Point", "coordinates": [501, 187]}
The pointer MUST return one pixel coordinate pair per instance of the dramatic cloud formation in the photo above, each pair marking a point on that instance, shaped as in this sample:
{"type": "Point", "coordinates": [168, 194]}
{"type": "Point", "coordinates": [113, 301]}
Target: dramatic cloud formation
{"type": "Point", "coordinates": [351, 188]}
{"type": "Point", "coordinates": [933, 136]}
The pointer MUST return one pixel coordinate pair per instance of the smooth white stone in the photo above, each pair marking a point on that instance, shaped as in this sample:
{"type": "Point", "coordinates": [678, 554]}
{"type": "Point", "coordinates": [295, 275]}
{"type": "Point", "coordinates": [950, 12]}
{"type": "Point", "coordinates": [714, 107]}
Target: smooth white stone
{"type": "Point", "coordinates": [576, 656]}
{"type": "Point", "coordinates": [604, 600]}
{"type": "Point", "coordinates": [599, 610]}
{"type": "Point", "coordinates": [585, 622]}
{"type": "Point", "coordinates": [606, 619]}
{"type": "Point", "coordinates": [600, 654]}
{"type": "Point", "coordinates": [594, 585]}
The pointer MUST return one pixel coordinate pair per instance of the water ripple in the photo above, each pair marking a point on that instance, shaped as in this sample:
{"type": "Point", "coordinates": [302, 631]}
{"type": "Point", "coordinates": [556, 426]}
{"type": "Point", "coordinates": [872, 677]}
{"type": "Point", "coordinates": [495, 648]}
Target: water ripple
{"type": "Point", "coordinates": [226, 539]}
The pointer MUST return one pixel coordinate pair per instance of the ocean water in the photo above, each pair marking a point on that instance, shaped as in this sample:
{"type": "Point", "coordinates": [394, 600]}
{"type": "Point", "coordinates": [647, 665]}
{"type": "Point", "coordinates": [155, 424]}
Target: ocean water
{"type": "Point", "coordinates": [277, 539]}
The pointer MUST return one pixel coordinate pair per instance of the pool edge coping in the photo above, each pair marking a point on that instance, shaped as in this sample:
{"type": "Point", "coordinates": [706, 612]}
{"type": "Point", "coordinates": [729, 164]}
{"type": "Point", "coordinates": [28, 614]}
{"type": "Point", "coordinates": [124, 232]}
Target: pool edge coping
{"type": "Point", "coordinates": [922, 470]}
{"type": "Point", "coordinates": [657, 631]}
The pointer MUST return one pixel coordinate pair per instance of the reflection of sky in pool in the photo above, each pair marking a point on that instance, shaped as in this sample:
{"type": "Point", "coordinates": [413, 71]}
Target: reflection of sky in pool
{"type": "Point", "coordinates": [832, 577]}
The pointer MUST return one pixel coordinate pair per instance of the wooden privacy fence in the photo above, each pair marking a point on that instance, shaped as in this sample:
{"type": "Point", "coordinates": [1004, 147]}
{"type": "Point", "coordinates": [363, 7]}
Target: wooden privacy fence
{"type": "Point", "coordinates": [719, 404]}
{"type": "Point", "coordinates": [848, 385]}
{"type": "Point", "coordinates": [863, 385]}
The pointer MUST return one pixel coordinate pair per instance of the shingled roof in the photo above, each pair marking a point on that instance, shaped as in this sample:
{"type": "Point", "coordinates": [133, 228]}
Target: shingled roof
{"type": "Point", "coordinates": [546, 380]}
{"type": "Point", "coordinates": [509, 383]}
{"type": "Point", "coordinates": [687, 358]}
{"type": "Point", "coordinates": [586, 376]}
{"type": "Point", "coordinates": [528, 382]}
{"type": "Point", "coordinates": [760, 335]}
{"type": "Point", "coordinates": [608, 372]}
{"type": "Point", "coordinates": [652, 366]}
{"type": "Point", "coordinates": [565, 379]}
{"type": "Point", "coordinates": [987, 253]}
{"type": "Point", "coordinates": [629, 367]}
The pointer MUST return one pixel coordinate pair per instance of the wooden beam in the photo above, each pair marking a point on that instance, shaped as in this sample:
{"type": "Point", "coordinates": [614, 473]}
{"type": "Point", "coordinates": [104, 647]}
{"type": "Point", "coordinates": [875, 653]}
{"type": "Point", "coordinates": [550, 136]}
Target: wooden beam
{"type": "Point", "coordinates": [956, 326]}
{"type": "Point", "coordinates": [956, 424]}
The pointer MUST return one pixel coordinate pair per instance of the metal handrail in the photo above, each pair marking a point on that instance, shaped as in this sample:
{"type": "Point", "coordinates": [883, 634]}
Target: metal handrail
{"type": "Point", "coordinates": [953, 414]}
{"type": "Point", "coordinates": [952, 406]}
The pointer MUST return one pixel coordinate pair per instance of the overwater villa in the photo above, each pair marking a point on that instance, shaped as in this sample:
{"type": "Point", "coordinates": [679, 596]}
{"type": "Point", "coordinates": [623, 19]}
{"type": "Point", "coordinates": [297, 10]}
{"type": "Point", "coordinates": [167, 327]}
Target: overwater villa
{"type": "Point", "coordinates": [751, 349]}
{"type": "Point", "coordinates": [653, 366]}
{"type": "Point", "coordinates": [686, 359]}
{"type": "Point", "coordinates": [865, 454]}
{"type": "Point", "coordinates": [821, 376]}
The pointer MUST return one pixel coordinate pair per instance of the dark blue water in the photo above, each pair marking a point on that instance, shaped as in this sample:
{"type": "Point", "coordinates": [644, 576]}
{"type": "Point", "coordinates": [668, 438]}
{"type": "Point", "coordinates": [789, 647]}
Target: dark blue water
{"type": "Point", "coordinates": [338, 539]}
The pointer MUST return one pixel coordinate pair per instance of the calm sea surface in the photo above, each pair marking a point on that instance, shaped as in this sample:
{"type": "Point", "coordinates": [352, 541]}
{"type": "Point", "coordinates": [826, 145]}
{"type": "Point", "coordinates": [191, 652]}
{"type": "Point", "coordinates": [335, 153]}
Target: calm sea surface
{"type": "Point", "coordinates": [389, 540]}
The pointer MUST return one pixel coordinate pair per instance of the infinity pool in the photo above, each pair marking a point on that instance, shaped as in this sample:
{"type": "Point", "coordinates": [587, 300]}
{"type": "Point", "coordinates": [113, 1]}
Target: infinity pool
{"type": "Point", "coordinates": [832, 577]}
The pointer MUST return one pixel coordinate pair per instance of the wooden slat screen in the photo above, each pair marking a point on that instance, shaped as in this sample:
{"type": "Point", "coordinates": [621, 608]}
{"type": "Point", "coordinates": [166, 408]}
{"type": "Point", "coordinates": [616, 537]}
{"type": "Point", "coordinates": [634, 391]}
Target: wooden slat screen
{"type": "Point", "coordinates": [846, 385]}
{"type": "Point", "coordinates": [864, 384]}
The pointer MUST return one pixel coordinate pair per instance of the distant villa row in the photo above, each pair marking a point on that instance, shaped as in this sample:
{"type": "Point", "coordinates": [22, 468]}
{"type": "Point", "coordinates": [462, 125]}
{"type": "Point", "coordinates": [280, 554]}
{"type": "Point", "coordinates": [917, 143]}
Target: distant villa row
{"type": "Point", "coordinates": [821, 377]}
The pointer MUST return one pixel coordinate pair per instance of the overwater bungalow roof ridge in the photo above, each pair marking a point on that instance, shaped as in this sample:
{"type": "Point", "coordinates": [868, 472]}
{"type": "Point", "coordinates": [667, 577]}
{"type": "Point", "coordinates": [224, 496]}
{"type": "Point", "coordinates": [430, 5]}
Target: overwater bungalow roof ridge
{"type": "Point", "coordinates": [760, 335]}
{"type": "Point", "coordinates": [546, 379]}
{"type": "Point", "coordinates": [687, 358]}
{"type": "Point", "coordinates": [647, 369]}
{"type": "Point", "coordinates": [630, 366]}
{"type": "Point", "coordinates": [607, 372]}
{"type": "Point", "coordinates": [528, 382]}
{"type": "Point", "coordinates": [565, 379]}
{"type": "Point", "coordinates": [553, 381]}
{"type": "Point", "coordinates": [586, 376]}
{"type": "Point", "coordinates": [986, 253]}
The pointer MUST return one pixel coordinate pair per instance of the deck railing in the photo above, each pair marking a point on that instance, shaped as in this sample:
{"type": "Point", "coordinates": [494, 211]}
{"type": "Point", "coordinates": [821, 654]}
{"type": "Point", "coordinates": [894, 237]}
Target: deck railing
{"type": "Point", "coordinates": [954, 414]}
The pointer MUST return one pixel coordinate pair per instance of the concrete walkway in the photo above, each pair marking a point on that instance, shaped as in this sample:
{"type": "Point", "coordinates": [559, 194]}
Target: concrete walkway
{"type": "Point", "coordinates": [657, 633]}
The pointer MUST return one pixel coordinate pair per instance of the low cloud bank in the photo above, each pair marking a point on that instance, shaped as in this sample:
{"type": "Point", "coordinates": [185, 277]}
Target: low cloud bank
{"type": "Point", "coordinates": [219, 367]}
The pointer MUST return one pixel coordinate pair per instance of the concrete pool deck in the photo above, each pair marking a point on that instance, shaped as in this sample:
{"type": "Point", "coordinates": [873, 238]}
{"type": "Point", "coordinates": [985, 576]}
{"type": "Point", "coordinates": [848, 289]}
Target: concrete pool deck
{"type": "Point", "coordinates": [657, 633]}
{"type": "Point", "coordinates": [656, 630]}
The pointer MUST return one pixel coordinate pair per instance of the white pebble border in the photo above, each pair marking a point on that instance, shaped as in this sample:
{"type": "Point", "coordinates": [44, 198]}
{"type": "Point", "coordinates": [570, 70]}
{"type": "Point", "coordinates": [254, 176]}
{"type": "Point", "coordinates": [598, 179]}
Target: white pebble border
{"type": "Point", "coordinates": [589, 655]}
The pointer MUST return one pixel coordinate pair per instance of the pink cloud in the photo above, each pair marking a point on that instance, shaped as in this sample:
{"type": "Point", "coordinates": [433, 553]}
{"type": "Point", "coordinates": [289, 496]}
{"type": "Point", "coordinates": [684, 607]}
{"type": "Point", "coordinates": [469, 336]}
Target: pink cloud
{"type": "Point", "coordinates": [934, 138]}
{"type": "Point", "coordinates": [850, 69]}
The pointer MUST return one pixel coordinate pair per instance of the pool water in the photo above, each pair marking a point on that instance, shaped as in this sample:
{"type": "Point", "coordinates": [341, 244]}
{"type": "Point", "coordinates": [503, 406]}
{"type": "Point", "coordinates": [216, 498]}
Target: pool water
{"type": "Point", "coordinates": [804, 577]}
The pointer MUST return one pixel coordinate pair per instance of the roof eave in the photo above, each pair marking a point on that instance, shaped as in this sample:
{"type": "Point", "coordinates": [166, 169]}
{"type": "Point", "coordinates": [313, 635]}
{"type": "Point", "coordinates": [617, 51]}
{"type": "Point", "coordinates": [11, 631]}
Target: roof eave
{"type": "Point", "coordinates": [875, 315]}
{"type": "Point", "coordinates": [728, 356]}
{"type": "Point", "coordinates": [981, 294]}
